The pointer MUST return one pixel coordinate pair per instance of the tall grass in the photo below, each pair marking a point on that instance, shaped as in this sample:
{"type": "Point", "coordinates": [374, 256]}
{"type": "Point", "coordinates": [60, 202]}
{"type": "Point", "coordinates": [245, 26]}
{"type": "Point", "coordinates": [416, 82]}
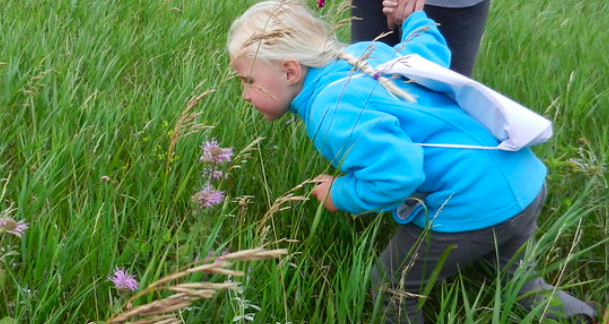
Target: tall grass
{"type": "Point", "coordinates": [91, 97]}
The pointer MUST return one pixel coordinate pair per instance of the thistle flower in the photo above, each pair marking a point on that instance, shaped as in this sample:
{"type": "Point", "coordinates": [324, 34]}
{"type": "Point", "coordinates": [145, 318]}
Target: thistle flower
{"type": "Point", "coordinates": [212, 153]}
{"type": "Point", "coordinates": [208, 197]}
{"type": "Point", "coordinates": [11, 226]}
{"type": "Point", "coordinates": [123, 281]}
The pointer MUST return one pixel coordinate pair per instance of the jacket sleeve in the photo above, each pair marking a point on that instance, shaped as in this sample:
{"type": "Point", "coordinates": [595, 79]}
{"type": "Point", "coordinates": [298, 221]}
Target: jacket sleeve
{"type": "Point", "coordinates": [420, 35]}
{"type": "Point", "coordinates": [381, 166]}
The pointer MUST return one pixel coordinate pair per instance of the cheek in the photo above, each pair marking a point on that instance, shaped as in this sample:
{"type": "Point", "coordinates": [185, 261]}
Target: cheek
{"type": "Point", "coordinates": [258, 98]}
{"type": "Point", "coordinates": [262, 92]}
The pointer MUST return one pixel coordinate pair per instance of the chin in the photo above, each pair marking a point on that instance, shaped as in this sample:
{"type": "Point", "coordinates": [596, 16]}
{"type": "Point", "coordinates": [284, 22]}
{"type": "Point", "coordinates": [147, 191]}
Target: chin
{"type": "Point", "coordinates": [272, 117]}
{"type": "Point", "coordinates": [267, 117]}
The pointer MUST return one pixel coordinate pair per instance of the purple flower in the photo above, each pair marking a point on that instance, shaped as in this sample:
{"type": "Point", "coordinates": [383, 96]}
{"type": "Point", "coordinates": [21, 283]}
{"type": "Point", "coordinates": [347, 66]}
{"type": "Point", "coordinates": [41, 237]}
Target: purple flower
{"type": "Point", "coordinates": [11, 226]}
{"type": "Point", "coordinates": [214, 174]}
{"type": "Point", "coordinates": [210, 255]}
{"type": "Point", "coordinates": [208, 197]}
{"type": "Point", "coordinates": [123, 281]}
{"type": "Point", "coordinates": [212, 153]}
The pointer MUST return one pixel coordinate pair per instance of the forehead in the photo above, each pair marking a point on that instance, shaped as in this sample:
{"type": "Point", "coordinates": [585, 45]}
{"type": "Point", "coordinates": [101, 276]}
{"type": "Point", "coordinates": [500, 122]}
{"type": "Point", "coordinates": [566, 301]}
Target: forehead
{"type": "Point", "coordinates": [241, 65]}
{"type": "Point", "coordinates": [249, 65]}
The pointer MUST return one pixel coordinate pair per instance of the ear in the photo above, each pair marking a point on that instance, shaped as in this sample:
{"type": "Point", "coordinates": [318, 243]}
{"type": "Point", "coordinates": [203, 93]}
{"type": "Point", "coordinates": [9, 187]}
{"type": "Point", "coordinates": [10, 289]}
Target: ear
{"type": "Point", "coordinates": [293, 71]}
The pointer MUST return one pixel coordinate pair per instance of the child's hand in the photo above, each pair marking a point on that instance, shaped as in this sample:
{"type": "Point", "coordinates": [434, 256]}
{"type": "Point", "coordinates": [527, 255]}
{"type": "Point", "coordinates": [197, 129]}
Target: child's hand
{"type": "Point", "coordinates": [398, 10]}
{"type": "Point", "coordinates": [322, 189]}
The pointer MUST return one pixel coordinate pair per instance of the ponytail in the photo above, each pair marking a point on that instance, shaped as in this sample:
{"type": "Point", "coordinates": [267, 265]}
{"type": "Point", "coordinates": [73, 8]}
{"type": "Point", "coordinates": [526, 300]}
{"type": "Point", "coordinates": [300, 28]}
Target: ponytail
{"type": "Point", "coordinates": [387, 83]}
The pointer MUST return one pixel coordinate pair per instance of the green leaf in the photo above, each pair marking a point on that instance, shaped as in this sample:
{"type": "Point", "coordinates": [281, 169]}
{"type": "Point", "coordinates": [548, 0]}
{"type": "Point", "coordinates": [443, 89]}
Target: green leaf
{"type": "Point", "coordinates": [2, 280]}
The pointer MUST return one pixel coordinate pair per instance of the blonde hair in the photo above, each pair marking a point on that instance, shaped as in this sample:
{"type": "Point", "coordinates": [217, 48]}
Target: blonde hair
{"type": "Point", "coordinates": [285, 29]}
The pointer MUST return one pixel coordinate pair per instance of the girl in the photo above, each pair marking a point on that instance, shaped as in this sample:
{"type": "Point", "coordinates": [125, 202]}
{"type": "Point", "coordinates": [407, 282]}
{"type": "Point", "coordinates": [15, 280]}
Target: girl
{"type": "Point", "coordinates": [367, 126]}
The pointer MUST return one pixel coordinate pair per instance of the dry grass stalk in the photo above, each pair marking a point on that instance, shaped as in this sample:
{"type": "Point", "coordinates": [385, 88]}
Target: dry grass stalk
{"type": "Point", "coordinates": [267, 37]}
{"type": "Point", "coordinates": [170, 319]}
{"type": "Point", "coordinates": [345, 6]}
{"type": "Point", "coordinates": [283, 240]}
{"type": "Point", "coordinates": [204, 268]}
{"type": "Point", "coordinates": [161, 306]}
{"type": "Point", "coordinates": [278, 205]}
{"type": "Point", "coordinates": [255, 255]}
{"type": "Point", "coordinates": [208, 285]}
{"type": "Point", "coordinates": [32, 86]}
{"type": "Point", "coordinates": [401, 294]}
{"type": "Point", "coordinates": [187, 293]}
{"type": "Point", "coordinates": [245, 153]}
{"type": "Point", "coordinates": [200, 293]}
{"type": "Point", "coordinates": [186, 124]}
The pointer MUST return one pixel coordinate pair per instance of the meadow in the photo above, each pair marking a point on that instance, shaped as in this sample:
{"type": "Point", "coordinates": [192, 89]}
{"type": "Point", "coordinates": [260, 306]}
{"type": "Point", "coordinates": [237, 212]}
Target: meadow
{"type": "Point", "coordinates": [105, 109]}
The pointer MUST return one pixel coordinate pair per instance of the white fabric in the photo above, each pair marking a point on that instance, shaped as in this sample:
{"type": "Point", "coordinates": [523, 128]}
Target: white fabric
{"type": "Point", "coordinates": [512, 124]}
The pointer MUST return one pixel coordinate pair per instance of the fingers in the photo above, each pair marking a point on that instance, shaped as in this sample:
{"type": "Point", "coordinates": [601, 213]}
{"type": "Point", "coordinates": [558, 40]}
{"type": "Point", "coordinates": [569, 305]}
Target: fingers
{"type": "Point", "coordinates": [323, 195]}
{"type": "Point", "coordinates": [320, 191]}
{"type": "Point", "coordinates": [389, 8]}
{"type": "Point", "coordinates": [390, 24]}
{"type": "Point", "coordinates": [402, 11]}
{"type": "Point", "coordinates": [398, 10]}
{"type": "Point", "coordinates": [324, 182]}
{"type": "Point", "coordinates": [323, 178]}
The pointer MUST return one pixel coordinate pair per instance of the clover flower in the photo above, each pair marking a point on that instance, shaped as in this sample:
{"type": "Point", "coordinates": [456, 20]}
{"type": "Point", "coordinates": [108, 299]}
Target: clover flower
{"type": "Point", "coordinates": [11, 226]}
{"type": "Point", "coordinates": [213, 153]}
{"type": "Point", "coordinates": [123, 281]}
{"type": "Point", "coordinates": [208, 197]}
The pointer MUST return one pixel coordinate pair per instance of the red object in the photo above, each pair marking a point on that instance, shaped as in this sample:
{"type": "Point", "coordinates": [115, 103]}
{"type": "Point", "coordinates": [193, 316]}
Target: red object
{"type": "Point", "coordinates": [320, 3]}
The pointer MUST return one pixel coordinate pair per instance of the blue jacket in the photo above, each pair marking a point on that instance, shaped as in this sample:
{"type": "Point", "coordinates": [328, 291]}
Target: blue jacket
{"type": "Point", "coordinates": [368, 134]}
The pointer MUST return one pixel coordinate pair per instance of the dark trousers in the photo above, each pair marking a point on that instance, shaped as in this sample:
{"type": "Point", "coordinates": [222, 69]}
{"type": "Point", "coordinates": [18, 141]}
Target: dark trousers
{"type": "Point", "coordinates": [505, 241]}
{"type": "Point", "coordinates": [461, 27]}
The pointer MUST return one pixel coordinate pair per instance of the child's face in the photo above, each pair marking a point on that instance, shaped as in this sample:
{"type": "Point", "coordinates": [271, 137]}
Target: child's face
{"type": "Point", "coordinates": [269, 87]}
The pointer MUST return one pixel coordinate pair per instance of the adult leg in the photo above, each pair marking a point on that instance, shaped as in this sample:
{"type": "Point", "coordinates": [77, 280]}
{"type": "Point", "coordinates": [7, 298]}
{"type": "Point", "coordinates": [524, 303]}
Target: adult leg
{"type": "Point", "coordinates": [463, 29]}
{"type": "Point", "coordinates": [368, 22]}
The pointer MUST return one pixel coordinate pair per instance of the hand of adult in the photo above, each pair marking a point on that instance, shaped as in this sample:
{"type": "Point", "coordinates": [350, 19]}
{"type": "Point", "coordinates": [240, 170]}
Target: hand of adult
{"type": "Point", "coordinates": [398, 10]}
{"type": "Point", "coordinates": [322, 189]}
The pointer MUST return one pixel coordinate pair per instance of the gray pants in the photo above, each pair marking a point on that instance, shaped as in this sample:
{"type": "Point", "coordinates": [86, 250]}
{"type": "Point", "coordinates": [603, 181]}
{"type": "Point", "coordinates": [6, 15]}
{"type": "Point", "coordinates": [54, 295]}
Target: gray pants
{"type": "Point", "coordinates": [509, 236]}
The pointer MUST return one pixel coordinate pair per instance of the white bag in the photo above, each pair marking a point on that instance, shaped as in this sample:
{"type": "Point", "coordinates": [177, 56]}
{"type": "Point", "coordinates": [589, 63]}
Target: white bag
{"type": "Point", "coordinates": [512, 124]}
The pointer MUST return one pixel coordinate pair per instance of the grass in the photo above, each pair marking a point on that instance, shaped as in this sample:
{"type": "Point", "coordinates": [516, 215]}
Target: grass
{"type": "Point", "coordinates": [96, 155]}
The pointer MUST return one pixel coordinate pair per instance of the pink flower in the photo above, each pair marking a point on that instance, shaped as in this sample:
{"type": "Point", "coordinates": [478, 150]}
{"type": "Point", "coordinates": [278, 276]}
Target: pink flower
{"type": "Point", "coordinates": [208, 197]}
{"type": "Point", "coordinates": [212, 153]}
{"type": "Point", "coordinates": [123, 281]}
{"type": "Point", "coordinates": [9, 225]}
